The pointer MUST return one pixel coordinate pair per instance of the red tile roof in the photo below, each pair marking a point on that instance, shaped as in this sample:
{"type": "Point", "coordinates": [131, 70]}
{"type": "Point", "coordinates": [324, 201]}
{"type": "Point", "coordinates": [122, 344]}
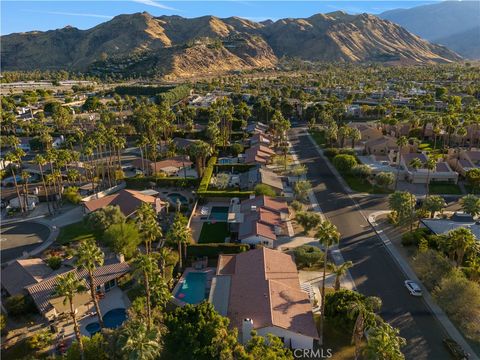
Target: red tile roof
{"type": "Point", "coordinates": [265, 288]}
{"type": "Point", "coordinates": [127, 200]}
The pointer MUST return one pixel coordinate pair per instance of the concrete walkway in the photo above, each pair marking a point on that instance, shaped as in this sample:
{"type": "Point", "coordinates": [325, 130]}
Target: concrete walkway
{"type": "Point", "coordinates": [427, 298]}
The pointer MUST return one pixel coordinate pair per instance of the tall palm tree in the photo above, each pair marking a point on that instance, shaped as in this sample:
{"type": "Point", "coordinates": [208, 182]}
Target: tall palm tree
{"type": "Point", "coordinates": [148, 225]}
{"type": "Point", "coordinates": [328, 235]}
{"type": "Point", "coordinates": [365, 318]}
{"type": "Point", "coordinates": [340, 271]}
{"type": "Point", "coordinates": [14, 158]}
{"type": "Point", "coordinates": [461, 240]}
{"type": "Point", "coordinates": [402, 141]}
{"type": "Point", "coordinates": [145, 266]}
{"type": "Point", "coordinates": [41, 161]}
{"type": "Point", "coordinates": [180, 234]}
{"type": "Point", "coordinates": [431, 165]}
{"type": "Point", "coordinates": [137, 342]}
{"type": "Point", "coordinates": [200, 150]}
{"type": "Point", "coordinates": [89, 256]}
{"type": "Point", "coordinates": [68, 286]}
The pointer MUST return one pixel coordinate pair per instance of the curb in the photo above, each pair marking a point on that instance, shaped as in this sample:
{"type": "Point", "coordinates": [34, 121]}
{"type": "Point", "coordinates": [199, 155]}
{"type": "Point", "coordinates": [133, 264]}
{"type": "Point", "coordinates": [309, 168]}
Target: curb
{"type": "Point", "coordinates": [439, 314]}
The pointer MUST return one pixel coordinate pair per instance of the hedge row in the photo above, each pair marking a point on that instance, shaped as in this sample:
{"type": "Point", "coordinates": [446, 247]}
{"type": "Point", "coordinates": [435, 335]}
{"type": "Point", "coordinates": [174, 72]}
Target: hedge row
{"type": "Point", "coordinates": [213, 250]}
{"type": "Point", "coordinates": [143, 182]}
{"type": "Point", "coordinates": [225, 193]}
{"type": "Point", "coordinates": [207, 175]}
{"type": "Point", "coordinates": [174, 95]}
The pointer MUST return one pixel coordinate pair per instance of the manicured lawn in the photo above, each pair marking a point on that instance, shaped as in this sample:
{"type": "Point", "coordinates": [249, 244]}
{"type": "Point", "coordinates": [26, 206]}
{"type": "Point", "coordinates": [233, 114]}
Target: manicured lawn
{"type": "Point", "coordinates": [214, 233]}
{"type": "Point", "coordinates": [357, 184]}
{"type": "Point", "coordinates": [319, 137]}
{"type": "Point", "coordinates": [439, 188]}
{"type": "Point", "coordinates": [75, 232]}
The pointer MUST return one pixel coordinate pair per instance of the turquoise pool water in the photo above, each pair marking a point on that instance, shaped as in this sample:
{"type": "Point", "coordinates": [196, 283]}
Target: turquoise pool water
{"type": "Point", "coordinates": [193, 288]}
{"type": "Point", "coordinates": [219, 213]}
{"type": "Point", "coordinates": [112, 320]}
{"type": "Point", "coordinates": [174, 196]}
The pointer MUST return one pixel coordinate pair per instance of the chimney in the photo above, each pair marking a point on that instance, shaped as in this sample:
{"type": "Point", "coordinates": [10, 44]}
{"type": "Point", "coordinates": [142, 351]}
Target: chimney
{"type": "Point", "coordinates": [247, 327]}
{"type": "Point", "coordinates": [120, 258]}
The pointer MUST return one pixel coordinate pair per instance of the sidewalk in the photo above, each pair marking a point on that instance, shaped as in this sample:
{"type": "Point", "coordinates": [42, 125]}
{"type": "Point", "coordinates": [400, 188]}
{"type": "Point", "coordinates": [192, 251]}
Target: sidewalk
{"type": "Point", "coordinates": [410, 274]}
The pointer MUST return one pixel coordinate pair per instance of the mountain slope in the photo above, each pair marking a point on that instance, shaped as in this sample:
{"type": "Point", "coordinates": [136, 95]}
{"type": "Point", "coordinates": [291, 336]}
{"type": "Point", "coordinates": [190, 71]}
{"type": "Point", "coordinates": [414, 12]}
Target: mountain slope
{"type": "Point", "coordinates": [438, 22]}
{"type": "Point", "coordinates": [175, 46]}
{"type": "Point", "coordinates": [466, 43]}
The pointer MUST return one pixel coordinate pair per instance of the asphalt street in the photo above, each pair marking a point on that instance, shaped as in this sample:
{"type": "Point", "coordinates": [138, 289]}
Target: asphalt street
{"type": "Point", "coordinates": [374, 272]}
{"type": "Point", "coordinates": [19, 237]}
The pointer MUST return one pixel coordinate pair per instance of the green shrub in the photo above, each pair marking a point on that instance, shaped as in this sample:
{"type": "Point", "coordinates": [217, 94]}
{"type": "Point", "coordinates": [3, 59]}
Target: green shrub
{"type": "Point", "coordinates": [236, 168]}
{"type": "Point", "coordinates": [54, 262]}
{"type": "Point", "coordinates": [296, 205]}
{"type": "Point", "coordinates": [337, 308]}
{"type": "Point", "coordinates": [264, 189]}
{"type": "Point", "coordinates": [431, 266]}
{"type": "Point", "coordinates": [71, 195]}
{"type": "Point", "coordinates": [207, 175]}
{"type": "Point", "coordinates": [140, 183]}
{"type": "Point", "coordinates": [414, 237]}
{"type": "Point", "coordinates": [213, 250]}
{"type": "Point", "coordinates": [20, 305]}
{"type": "Point", "coordinates": [344, 162]}
{"type": "Point", "coordinates": [331, 152]}
{"type": "Point", "coordinates": [40, 340]}
{"type": "Point", "coordinates": [307, 256]}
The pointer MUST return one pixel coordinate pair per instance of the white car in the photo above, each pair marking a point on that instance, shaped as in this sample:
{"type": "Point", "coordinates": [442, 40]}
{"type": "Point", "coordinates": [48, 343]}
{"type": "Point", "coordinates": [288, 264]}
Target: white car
{"type": "Point", "coordinates": [413, 288]}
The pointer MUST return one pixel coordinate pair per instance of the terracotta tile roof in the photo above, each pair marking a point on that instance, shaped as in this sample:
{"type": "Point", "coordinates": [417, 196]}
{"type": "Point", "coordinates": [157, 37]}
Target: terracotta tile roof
{"type": "Point", "coordinates": [42, 292]}
{"type": "Point", "coordinates": [22, 273]}
{"type": "Point", "coordinates": [260, 222]}
{"type": "Point", "coordinates": [265, 288]}
{"type": "Point", "coordinates": [127, 200]}
{"type": "Point", "coordinates": [174, 162]}
{"type": "Point", "coordinates": [270, 178]}
{"type": "Point", "coordinates": [258, 153]}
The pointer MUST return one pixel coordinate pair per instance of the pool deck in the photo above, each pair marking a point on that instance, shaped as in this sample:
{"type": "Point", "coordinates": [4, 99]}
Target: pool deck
{"type": "Point", "coordinates": [210, 271]}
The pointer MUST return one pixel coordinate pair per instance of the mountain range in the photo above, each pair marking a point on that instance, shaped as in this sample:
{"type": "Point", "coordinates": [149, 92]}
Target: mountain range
{"type": "Point", "coordinates": [173, 46]}
{"type": "Point", "coordinates": [455, 24]}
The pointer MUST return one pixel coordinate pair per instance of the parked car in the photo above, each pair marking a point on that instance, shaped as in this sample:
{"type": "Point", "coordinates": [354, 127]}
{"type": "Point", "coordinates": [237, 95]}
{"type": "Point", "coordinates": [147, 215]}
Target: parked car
{"type": "Point", "coordinates": [455, 349]}
{"type": "Point", "coordinates": [413, 288]}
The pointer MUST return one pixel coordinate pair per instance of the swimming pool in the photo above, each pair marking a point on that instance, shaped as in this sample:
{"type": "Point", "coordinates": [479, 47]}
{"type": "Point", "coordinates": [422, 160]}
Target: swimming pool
{"type": "Point", "coordinates": [112, 320]}
{"type": "Point", "coordinates": [193, 288]}
{"type": "Point", "coordinates": [174, 196]}
{"type": "Point", "coordinates": [219, 213]}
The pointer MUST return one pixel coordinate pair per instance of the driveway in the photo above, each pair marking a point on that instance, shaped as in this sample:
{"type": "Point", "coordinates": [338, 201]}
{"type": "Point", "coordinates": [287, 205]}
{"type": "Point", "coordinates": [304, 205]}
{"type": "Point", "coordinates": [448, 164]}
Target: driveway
{"type": "Point", "coordinates": [374, 272]}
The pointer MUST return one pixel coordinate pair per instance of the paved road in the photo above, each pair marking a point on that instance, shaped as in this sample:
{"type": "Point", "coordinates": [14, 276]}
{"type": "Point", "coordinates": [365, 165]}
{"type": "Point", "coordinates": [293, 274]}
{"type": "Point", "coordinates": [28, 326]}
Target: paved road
{"type": "Point", "coordinates": [374, 271]}
{"type": "Point", "coordinates": [19, 237]}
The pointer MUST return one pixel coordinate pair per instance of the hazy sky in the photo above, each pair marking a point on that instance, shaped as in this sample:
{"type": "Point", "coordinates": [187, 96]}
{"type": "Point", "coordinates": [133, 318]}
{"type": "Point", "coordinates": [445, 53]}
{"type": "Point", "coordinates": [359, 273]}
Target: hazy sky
{"type": "Point", "coordinates": [19, 16]}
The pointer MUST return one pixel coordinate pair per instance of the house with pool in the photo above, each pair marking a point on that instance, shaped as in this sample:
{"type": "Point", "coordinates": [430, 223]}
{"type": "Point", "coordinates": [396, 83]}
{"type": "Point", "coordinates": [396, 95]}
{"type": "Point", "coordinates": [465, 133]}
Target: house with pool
{"type": "Point", "coordinates": [260, 290]}
{"type": "Point", "coordinates": [257, 290]}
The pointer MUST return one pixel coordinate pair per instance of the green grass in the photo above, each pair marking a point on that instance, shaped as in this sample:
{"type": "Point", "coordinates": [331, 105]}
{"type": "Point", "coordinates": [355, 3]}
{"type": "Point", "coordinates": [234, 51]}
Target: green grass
{"type": "Point", "coordinates": [76, 232]}
{"type": "Point", "coordinates": [319, 137]}
{"type": "Point", "coordinates": [214, 233]}
{"type": "Point", "coordinates": [439, 188]}
{"type": "Point", "coordinates": [357, 184]}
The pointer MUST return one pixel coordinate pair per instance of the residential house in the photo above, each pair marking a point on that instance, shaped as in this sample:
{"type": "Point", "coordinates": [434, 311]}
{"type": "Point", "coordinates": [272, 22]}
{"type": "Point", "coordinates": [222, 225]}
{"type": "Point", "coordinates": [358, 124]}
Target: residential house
{"type": "Point", "coordinates": [258, 154]}
{"type": "Point", "coordinates": [254, 176]}
{"type": "Point", "coordinates": [382, 145]}
{"type": "Point", "coordinates": [463, 160]}
{"type": "Point", "coordinates": [174, 166]}
{"type": "Point", "coordinates": [128, 200]}
{"type": "Point", "coordinates": [260, 138]}
{"type": "Point", "coordinates": [260, 290]}
{"type": "Point", "coordinates": [257, 127]}
{"type": "Point", "coordinates": [367, 132]}
{"type": "Point", "coordinates": [353, 110]}
{"type": "Point", "coordinates": [458, 220]}
{"type": "Point", "coordinates": [22, 273]}
{"type": "Point", "coordinates": [442, 172]}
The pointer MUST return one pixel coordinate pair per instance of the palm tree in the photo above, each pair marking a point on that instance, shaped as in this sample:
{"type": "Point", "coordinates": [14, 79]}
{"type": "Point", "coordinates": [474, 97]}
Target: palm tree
{"type": "Point", "coordinates": [470, 204]}
{"type": "Point", "coordinates": [89, 256]}
{"type": "Point", "coordinates": [401, 143]}
{"type": "Point", "coordinates": [200, 150]}
{"type": "Point", "coordinates": [41, 161]}
{"type": "Point", "coordinates": [355, 135]}
{"type": "Point", "coordinates": [461, 240]}
{"type": "Point", "coordinates": [68, 286]}
{"type": "Point", "coordinates": [148, 226]}
{"type": "Point", "coordinates": [144, 268]}
{"type": "Point", "coordinates": [137, 342]}
{"type": "Point", "coordinates": [364, 314]}
{"type": "Point", "coordinates": [14, 158]}
{"type": "Point", "coordinates": [431, 165]}
{"type": "Point", "coordinates": [179, 233]}
{"type": "Point", "coordinates": [327, 235]}
{"type": "Point", "coordinates": [340, 271]}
